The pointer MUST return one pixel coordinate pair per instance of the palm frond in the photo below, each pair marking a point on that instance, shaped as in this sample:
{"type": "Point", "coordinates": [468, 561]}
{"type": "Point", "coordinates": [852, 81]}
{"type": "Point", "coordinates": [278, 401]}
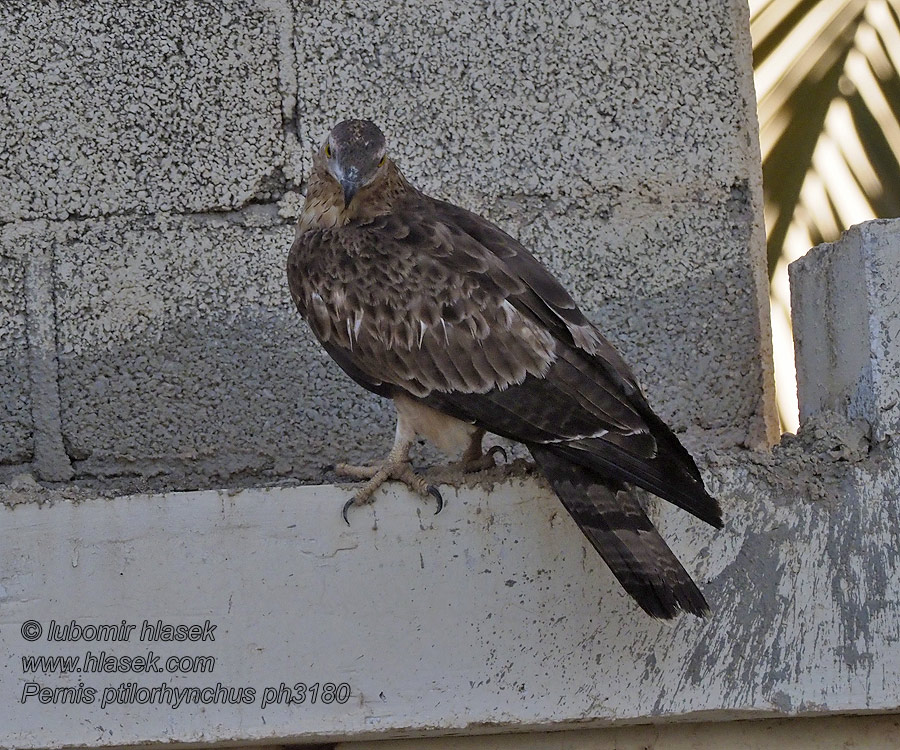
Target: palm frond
{"type": "Point", "coordinates": [828, 95]}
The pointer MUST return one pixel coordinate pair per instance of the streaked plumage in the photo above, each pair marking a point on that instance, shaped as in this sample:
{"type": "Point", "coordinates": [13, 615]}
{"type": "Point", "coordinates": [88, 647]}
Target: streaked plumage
{"type": "Point", "coordinates": [424, 302]}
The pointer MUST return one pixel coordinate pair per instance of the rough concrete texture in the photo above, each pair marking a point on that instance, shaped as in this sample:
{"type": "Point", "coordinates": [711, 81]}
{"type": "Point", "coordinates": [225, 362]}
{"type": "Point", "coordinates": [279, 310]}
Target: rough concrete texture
{"type": "Point", "coordinates": [115, 107]}
{"type": "Point", "coordinates": [181, 365]}
{"type": "Point", "coordinates": [847, 327]}
{"type": "Point", "coordinates": [205, 352]}
{"type": "Point", "coordinates": [16, 429]}
{"type": "Point", "coordinates": [495, 615]}
{"type": "Point", "coordinates": [617, 141]}
{"type": "Point", "coordinates": [196, 366]}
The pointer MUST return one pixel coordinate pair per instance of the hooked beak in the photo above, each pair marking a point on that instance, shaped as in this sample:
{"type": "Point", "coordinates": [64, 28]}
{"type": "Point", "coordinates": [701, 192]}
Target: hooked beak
{"type": "Point", "coordinates": [350, 187]}
{"type": "Point", "coordinates": [350, 184]}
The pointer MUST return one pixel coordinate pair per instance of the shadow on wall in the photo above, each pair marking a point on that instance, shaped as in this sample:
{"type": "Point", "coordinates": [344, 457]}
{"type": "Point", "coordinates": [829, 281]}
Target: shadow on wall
{"type": "Point", "coordinates": [181, 355]}
{"type": "Point", "coordinates": [217, 398]}
{"type": "Point", "coordinates": [253, 393]}
{"type": "Point", "coordinates": [16, 439]}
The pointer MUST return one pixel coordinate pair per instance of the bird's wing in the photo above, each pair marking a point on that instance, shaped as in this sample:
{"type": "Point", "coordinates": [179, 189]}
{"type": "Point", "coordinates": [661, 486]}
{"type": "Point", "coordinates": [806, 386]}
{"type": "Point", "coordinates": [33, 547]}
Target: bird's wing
{"type": "Point", "coordinates": [441, 304]}
{"type": "Point", "coordinates": [542, 296]}
{"type": "Point", "coordinates": [587, 373]}
{"type": "Point", "coordinates": [412, 301]}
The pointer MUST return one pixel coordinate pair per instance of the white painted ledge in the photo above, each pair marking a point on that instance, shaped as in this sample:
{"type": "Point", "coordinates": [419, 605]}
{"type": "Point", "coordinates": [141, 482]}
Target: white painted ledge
{"type": "Point", "coordinates": [490, 616]}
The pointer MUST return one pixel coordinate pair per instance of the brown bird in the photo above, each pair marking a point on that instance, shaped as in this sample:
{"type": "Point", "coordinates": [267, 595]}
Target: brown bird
{"type": "Point", "coordinates": [432, 306]}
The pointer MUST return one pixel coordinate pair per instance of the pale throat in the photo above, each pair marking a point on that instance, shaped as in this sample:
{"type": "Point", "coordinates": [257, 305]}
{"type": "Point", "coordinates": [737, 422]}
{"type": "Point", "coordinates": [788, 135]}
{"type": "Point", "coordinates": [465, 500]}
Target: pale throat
{"type": "Point", "coordinates": [324, 206]}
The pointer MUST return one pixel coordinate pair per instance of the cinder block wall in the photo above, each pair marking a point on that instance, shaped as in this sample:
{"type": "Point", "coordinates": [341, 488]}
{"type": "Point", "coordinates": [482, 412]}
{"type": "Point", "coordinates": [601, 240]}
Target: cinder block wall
{"type": "Point", "coordinates": [152, 162]}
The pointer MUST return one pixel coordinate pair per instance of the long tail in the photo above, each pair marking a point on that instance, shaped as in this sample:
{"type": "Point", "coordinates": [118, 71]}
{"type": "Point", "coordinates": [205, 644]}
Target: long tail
{"type": "Point", "coordinates": [615, 523]}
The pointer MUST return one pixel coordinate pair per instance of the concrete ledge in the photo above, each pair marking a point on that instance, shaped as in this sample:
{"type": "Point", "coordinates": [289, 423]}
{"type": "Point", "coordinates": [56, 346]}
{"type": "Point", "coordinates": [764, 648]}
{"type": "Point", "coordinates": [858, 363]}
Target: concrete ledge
{"type": "Point", "coordinates": [490, 616]}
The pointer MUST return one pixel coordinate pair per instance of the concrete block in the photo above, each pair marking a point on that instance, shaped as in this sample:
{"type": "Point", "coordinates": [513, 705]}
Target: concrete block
{"type": "Point", "coordinates": [16, 429]}
{"type": "Point", "coordinates": [181, 352]}
{"type": "Point", "coordinates": [845, 300]}
{"type": "Point", "coordinates": [137, 107]}
{"type": "Point", "coordinates": [693, 374]}
{"type": "Point", "coordinates": [618, 142]}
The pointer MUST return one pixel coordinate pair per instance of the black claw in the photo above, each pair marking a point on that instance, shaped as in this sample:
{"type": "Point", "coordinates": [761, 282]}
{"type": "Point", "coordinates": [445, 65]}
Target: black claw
{"type": "Point", "coordinates": [498, 449]}
{"type": "Point", "coordinates": [433, 491]}
{"type": "Point", "coordinates": [346, 507]}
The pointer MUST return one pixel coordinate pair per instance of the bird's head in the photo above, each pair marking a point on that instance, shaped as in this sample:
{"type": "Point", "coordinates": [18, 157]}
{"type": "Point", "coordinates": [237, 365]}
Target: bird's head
{"type": "Point", "coordinates": [354, 154]}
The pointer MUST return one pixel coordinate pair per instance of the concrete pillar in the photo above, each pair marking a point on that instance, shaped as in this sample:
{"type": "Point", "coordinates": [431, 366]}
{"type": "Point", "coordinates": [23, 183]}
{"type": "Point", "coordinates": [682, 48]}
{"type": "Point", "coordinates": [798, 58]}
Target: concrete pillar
{"type": "Point", "coordinates": [845, 298]}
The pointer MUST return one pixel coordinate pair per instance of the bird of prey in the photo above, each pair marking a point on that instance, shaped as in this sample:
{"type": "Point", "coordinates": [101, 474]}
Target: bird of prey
{"type": "Point", "coordinates": [430, 305]}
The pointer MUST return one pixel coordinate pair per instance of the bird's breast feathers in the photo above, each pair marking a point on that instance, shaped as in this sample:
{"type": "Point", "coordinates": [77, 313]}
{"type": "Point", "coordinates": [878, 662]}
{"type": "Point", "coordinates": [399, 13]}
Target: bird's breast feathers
{"type": "Point", "coordinates": [413, 322]}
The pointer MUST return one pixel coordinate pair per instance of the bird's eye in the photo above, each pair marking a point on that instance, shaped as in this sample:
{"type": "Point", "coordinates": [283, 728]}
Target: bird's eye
{"type": "Point", "coordinates": [382, 161]}
{"type": "Point", "coordinates": [328, 150]}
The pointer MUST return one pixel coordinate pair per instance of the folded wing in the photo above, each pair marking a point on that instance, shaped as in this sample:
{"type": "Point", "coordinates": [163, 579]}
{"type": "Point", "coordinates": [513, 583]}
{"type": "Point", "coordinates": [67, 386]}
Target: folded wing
{"type": "Point", "coordinates": [437, 303]}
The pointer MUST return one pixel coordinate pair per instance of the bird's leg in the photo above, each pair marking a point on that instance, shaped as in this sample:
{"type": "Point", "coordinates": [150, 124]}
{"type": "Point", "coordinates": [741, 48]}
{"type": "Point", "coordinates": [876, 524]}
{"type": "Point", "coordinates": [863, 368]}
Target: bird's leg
{"type": "Point", "coordinates": [396, 466]}
{"type": "Point", "coordinates": [473, 459]}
